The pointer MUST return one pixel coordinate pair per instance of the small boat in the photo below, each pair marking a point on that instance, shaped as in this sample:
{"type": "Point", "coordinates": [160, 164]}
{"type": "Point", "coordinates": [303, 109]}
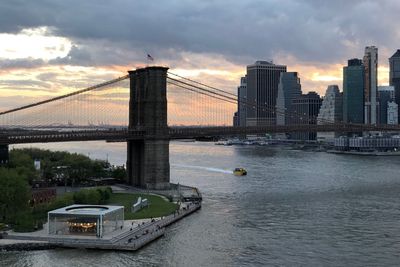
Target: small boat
{"type": "Point", "coordinates": [239, 172]}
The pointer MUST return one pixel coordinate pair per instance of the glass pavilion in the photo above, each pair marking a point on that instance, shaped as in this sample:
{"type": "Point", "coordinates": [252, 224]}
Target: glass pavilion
{"type": "Point", "coordinates": [90, 220]}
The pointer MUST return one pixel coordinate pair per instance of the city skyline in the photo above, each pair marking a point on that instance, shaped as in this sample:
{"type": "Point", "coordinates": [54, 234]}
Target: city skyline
{"type": "Point", "coordinates": [47, 52]}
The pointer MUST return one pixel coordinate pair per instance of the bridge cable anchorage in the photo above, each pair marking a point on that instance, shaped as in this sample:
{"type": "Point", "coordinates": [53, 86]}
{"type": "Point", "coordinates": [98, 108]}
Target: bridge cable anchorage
{"type": "Point", "coordinates": [231, 94]}
{"type": "Point", "coordinates": [235, 99]}
{"type": "Point", "coordinates": [66, 95]}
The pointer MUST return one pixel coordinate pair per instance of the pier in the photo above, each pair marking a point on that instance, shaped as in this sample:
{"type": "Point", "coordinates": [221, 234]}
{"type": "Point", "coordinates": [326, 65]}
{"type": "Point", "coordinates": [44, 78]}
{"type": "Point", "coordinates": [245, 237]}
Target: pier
{"type": "Point", "coordinates": [133, 236]}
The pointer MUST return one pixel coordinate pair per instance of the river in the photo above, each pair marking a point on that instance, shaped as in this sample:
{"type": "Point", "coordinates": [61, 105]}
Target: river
{"type": "Point", "coordinates": [293, 208]}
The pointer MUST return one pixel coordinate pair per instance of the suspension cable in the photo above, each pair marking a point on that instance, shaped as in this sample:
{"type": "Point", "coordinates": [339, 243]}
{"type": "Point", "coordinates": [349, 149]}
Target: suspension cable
{"type": "Point", "coordinates": [66, 95]}
{"type": "Point", "coordinates": [235, 98]}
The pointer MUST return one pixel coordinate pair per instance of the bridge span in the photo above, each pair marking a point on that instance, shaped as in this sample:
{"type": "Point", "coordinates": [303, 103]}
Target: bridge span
{"type": "Point", "coordinates": [8, 137]}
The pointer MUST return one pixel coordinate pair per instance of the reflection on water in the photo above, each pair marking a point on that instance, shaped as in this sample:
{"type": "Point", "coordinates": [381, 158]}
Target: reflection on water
{"type": "Point", "coordinates": [293, 208]}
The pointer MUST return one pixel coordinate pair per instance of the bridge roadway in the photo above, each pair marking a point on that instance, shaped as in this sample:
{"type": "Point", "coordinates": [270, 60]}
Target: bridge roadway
{"type": "Point", "coordinates": [23, 136]}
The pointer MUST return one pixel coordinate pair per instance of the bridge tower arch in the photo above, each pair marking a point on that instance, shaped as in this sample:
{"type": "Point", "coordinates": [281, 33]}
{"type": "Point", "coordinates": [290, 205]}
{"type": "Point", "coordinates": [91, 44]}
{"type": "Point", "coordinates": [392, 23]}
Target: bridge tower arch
{"type": "Point", "coordinates": [148, 158]}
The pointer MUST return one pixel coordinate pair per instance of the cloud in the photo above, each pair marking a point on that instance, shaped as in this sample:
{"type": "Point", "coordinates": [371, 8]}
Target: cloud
{"type": "Point", "coordinates": [26, 85]}
{"type": "Point", "coordinates": [210, 41]}
{"type": "Point", "coordinates": [22, 63]}
{"type": "Point", "coordinates": [76, 56]}
{"type": "Point", "coordinates": [243, 31]}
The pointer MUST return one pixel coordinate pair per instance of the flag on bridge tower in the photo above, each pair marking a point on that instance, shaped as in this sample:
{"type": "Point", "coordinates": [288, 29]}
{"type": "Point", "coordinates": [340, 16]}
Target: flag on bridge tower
{"type": "Point", "coordinates": [150, 58]}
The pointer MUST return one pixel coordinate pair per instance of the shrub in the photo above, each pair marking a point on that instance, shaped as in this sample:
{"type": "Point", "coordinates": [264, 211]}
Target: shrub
{"type": "Point", "coordinates": [24, 222]}
{"type": "Point", "coordinates": [80, 197]}
{"type": "Point", "coordinates": [59, 202]}
{"type": "Point", "coordinates": [93, 197]}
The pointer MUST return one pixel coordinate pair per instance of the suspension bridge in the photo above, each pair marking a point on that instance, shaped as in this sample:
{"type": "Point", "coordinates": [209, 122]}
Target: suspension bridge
{"type": "Point", "coordinates": [147, 108]}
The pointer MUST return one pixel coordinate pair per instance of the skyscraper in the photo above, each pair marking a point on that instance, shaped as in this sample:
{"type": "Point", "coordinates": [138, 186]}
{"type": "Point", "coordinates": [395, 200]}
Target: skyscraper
{"type": "Point", "coordinates": [235, 119]}
{"type": "Point", "coordinates": [392, 113]}
{"type": "Point", "coordinates": [370, 63]}
{"type": "Point", "coordinates": [331, 111]}
{"type": "Point", "coordinates": [242, 99]}
{"type": "Point", "coordinates": [394, 75]}
{"type": "Point", "coordinates": [385, 95]}
{"type": "Point", "coordinates": [262, 90]}
{"type": "Point", "coordinates": [306, 108]}
{"type": "Point", "coordinates": [353, 91]}
{"type": "Point", "coordinates": [289, 88]}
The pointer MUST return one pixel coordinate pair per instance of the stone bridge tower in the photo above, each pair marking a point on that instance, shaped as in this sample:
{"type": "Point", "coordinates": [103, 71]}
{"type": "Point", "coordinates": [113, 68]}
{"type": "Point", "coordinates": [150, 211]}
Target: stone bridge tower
{"type": "Point", "coordinates": [148, 158]}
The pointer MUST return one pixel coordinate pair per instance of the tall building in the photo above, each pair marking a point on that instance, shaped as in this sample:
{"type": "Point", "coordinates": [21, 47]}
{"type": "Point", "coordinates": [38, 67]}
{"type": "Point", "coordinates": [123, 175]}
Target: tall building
{"type": "Point", "coordinates": [331, 111]}
{"type": "Point", "coordinates": [242, 102]}
{"type": "Point", "coordinates": [235, 119]}
{"type": "Point", "coordinates": [306, 108]}
{"type": "Point", "coordinates": [262, 90]}
{"type": "Point", "coordinates": [392, 113]}
{"type": "Point", "coordinates": [385, 95]}
{"type": "Point", "coordinates": [394, 75]}
{"type": "Point", "coordinates": [353, 91]}
{"type": "Point", "coordinates": [289, 88]}
{"type": "Point", "coordinates": [370, 63]}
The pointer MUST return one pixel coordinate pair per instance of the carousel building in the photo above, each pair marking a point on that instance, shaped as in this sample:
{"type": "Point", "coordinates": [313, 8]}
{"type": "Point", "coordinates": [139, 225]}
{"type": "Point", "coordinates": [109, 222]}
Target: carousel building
{"type": "Point", "coordinates": [90, 220]}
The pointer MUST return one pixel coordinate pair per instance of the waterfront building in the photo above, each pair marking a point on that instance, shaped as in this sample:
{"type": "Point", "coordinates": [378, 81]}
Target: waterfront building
{"type": "Point", "coordinates": [242, 102]}
{"type": "Point", "coordinates": [262, 90]}
{"type": "Point", "coordinates": [331, 111]}
{"type": "Point", "coordinates": [305, 111]}
{"type": "Point", "coordinates": [289, 88]}
{"type": "Point", "coordinates": [386, 94]}
{"type": "Point", "coordinates": [235, 119]}
{"type": "Point", "coordinates": [370, 63]}
{"type": "Point", "coordinates": [353, 91]}
{"type": "Point", "coordinates": [367, 144]}
{"type": "Point", "coordinates": [394, 75]}
{"type": "Point", "coordinates": [91, 220]}
{"type": "Point", "coordinates": [393, 113]}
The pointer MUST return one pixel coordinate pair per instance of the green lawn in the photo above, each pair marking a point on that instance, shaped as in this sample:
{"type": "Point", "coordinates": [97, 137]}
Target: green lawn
{"type": "Point", "coordinates": [158, 205]}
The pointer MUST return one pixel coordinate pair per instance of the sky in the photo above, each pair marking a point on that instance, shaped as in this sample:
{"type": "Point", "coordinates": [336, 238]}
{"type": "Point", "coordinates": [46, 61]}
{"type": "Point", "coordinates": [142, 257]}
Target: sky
{"type": "Point", "coordinates": [49, 47]}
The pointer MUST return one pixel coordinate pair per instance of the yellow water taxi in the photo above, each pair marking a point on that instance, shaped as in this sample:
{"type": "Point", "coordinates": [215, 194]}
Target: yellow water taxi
{"type": "Point", "coordinates": [239, 172]}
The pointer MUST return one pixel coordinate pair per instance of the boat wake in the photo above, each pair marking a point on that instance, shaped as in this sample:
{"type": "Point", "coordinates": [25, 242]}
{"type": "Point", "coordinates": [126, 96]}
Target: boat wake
{"type": "Point", "coordinates": [202, 168]}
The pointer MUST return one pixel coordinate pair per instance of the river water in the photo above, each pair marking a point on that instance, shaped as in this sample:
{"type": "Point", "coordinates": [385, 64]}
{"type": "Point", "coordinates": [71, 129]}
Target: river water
{"type": "Point", "coordinates": [293, 208]}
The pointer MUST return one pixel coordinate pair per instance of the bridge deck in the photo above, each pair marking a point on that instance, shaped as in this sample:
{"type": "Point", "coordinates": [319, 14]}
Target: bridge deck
{"type": "Point", "coordinates": [21, 136]}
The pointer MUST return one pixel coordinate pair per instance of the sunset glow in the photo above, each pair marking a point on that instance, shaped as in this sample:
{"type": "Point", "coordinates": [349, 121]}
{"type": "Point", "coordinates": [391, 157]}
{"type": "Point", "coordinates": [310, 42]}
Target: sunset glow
{"type": "Point", "coordinates": [57, 56]}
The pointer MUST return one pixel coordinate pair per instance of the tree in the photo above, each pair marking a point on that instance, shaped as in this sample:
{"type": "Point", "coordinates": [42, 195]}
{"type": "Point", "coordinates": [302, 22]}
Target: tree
{"type": "Point", "coordinates": [14, 194]}
{"type": "Point", "coordinates": [23, 163]}
{"type": "Point", "coordinates": [119, 173]}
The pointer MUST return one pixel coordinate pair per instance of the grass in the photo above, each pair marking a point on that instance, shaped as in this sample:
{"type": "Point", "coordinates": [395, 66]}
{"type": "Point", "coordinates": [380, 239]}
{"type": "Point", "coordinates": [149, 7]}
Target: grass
{"type": "Point", "coordinates": [33, 218]}
{"type": "Point", "coordinates": [158, 205]}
